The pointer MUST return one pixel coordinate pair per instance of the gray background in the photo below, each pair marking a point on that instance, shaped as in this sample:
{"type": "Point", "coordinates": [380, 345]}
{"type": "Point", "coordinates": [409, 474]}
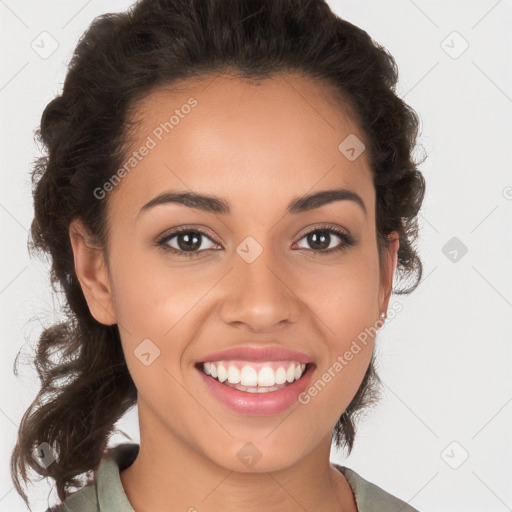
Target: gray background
{"type": "Point", "coordinates": [440, 438]}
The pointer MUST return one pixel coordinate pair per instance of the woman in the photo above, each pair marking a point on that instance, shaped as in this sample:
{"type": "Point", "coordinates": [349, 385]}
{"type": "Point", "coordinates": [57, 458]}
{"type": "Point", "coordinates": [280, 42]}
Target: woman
{"type": "Point", "coordinates": [228, 190]}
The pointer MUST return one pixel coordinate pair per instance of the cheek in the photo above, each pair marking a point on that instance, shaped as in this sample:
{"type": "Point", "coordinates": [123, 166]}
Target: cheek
{"type": "Point", "coordinates": [332, 389]}
{"type": "Point", "coordinates": [344, 296]}
{"type": "Point", "coordinates": [150, 298]}
{"type": "Point", "coordinates": [344, 303]}
{"type": "Point", "coordinates": [159, 312]}
{"type": "Point", "coordinates": [144, 313]}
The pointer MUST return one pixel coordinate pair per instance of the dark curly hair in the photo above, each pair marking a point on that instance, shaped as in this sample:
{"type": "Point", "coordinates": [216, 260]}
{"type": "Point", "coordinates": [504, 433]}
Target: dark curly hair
{"type": "Point", "coordinates": [121, 58]}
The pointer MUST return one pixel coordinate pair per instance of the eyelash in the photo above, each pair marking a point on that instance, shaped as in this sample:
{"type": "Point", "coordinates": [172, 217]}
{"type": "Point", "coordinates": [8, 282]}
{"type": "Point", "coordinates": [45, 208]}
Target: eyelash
{"type": "Point", "coordinates": [347, 241]}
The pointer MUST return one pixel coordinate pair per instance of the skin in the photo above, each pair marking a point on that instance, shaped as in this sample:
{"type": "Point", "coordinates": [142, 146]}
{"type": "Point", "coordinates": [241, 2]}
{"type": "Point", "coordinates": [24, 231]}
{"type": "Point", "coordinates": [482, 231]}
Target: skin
{"type": "Point", "coordinates": [258, 147]}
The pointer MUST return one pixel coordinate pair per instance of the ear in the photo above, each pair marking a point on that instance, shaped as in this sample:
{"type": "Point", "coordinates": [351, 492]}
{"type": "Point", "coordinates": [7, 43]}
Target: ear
{"type": "Point", "coordinates": [388, 267]}
{"type": "Point", "coordinates": [91, 272]}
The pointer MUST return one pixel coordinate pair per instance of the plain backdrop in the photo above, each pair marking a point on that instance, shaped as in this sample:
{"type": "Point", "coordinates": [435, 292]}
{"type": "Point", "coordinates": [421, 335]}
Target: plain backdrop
{"type": "Point", "coordinates": [440, 437]}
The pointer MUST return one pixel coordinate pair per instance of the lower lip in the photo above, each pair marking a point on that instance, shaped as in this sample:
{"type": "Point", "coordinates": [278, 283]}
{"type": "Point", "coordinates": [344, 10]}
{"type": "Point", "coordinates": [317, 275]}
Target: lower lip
{"type": "Point", "coordinates": [258, 404]}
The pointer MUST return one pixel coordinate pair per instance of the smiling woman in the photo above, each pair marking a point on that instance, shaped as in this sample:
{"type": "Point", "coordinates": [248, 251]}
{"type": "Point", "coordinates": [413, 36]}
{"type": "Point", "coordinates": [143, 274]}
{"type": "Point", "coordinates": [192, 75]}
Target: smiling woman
{"type": "Point", "coordinates": [232, 281]}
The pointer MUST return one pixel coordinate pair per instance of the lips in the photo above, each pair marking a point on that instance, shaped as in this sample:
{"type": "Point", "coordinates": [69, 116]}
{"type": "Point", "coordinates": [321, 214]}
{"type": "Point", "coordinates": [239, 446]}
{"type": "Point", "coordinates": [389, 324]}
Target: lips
{"type": "Point", "coordinates": [258, 354]}
{"type": "Point", "coordinates": [255, 402]}
{"type": "Point", "coordinates": [265, 391]}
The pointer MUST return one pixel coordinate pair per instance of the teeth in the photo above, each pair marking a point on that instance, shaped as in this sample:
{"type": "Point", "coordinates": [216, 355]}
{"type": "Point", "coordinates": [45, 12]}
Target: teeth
{"type": "Point", "coordinates": [233, 375]}
{"type": "Point", "coordinates": [290, 373]}
{"type": "Point", "coordinates": [280, 375]}
{"type": "Point", "coordinates": [222, 373]}
{"type": "Point", "coordinates": [249, 376]}
{"type": "Point", "coordinates": [266, 379]}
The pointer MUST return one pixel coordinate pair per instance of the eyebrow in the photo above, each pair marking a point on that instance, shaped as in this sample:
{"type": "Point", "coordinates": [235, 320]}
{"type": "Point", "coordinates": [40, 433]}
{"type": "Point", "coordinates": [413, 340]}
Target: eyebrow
{"type": "Point", "coordinates": [213, 204]}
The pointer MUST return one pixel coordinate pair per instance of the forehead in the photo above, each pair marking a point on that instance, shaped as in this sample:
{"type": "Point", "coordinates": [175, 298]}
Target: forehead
{"type": "Point", "coordinates": [255, 141]}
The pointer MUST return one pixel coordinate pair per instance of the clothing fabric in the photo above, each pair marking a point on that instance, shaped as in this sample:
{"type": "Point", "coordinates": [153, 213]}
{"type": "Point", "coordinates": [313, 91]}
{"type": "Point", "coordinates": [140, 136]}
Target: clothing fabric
{"type": "Point", "coordinates": [105, 493]}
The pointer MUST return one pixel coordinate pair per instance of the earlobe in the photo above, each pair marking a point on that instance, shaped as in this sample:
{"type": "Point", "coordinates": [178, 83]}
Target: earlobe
{"type": "Point", "coordinates": [91, 271]}
{"type": "Point", "coordinates": [388, 273]}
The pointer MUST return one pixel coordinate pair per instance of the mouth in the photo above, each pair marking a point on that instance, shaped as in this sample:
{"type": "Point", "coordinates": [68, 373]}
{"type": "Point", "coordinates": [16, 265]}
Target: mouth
{"type": "Point", "coordinates": [256, 388]}
{"type": "Point", "coordinates": [256, 380]}
{"type": "Point", "coordinates": [255, 377]}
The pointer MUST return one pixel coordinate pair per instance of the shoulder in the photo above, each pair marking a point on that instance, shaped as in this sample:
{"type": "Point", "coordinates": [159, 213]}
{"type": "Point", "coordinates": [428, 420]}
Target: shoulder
{"type": "Point", "coordinates": [83, 500]}
{"type": "Point", "coordinates": [105, 488]}
{"type": "Point", "coordinates": [370, 497]}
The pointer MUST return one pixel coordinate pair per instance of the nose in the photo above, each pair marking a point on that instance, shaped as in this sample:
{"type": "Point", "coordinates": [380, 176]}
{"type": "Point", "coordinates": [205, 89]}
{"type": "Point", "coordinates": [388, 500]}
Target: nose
{"type": "Point", "coordinates": [259, 296]}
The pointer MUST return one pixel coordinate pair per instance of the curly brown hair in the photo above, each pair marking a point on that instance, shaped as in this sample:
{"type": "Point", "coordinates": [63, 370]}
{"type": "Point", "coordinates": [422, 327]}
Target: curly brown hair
{"type": "Point", "coordinates": [85, 383]}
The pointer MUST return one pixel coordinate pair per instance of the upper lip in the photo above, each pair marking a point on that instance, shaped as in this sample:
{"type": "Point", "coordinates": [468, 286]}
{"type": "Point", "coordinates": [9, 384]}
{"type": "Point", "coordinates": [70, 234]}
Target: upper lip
{"type": "Point", "coordinates": [248, 353]}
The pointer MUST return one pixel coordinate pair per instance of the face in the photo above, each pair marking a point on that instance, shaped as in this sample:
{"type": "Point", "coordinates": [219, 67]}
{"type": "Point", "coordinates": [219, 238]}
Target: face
{"type": "Point", "coordinates": [245, 272]}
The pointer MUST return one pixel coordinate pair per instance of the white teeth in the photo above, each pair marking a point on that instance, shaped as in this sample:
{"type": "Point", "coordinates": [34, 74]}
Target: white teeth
{"type": "Point", "coordinates": [266, 379]}
{"type": "Point", "coordinates": [222, 374]}
{"type": "Point", "coordinates": [280, 375]}
{"type": "Point", "coordinates": [233, 375]}
{"type": "Point", "coordinates": [249, 376]}
{"type": "Point", "coordinates": [290, 373]}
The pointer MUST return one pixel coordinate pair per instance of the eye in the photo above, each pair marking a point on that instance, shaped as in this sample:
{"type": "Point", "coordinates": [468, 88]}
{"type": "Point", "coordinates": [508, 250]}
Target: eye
{"type": "Point", "coordinates": [188, 242]}
{"type": "Point", "coordinates": [321, 240]}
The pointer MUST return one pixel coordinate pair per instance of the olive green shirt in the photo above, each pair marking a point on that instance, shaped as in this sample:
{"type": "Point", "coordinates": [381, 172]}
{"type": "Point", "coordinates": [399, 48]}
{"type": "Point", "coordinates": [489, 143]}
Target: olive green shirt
{"type": "Point", "coordinates": [106, 494]}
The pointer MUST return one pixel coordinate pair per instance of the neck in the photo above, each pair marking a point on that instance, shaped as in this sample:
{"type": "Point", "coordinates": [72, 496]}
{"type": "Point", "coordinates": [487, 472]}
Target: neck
{"type": "Point", "coordinates": [168, 471]}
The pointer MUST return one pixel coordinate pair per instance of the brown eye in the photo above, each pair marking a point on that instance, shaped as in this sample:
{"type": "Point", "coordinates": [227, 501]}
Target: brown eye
{"type": "Point", "coordinates": [319, 240]}
{"type": "Point", "coordinates": [186, 242]}
{"type": "Point", "coordinates": [323, 240]}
